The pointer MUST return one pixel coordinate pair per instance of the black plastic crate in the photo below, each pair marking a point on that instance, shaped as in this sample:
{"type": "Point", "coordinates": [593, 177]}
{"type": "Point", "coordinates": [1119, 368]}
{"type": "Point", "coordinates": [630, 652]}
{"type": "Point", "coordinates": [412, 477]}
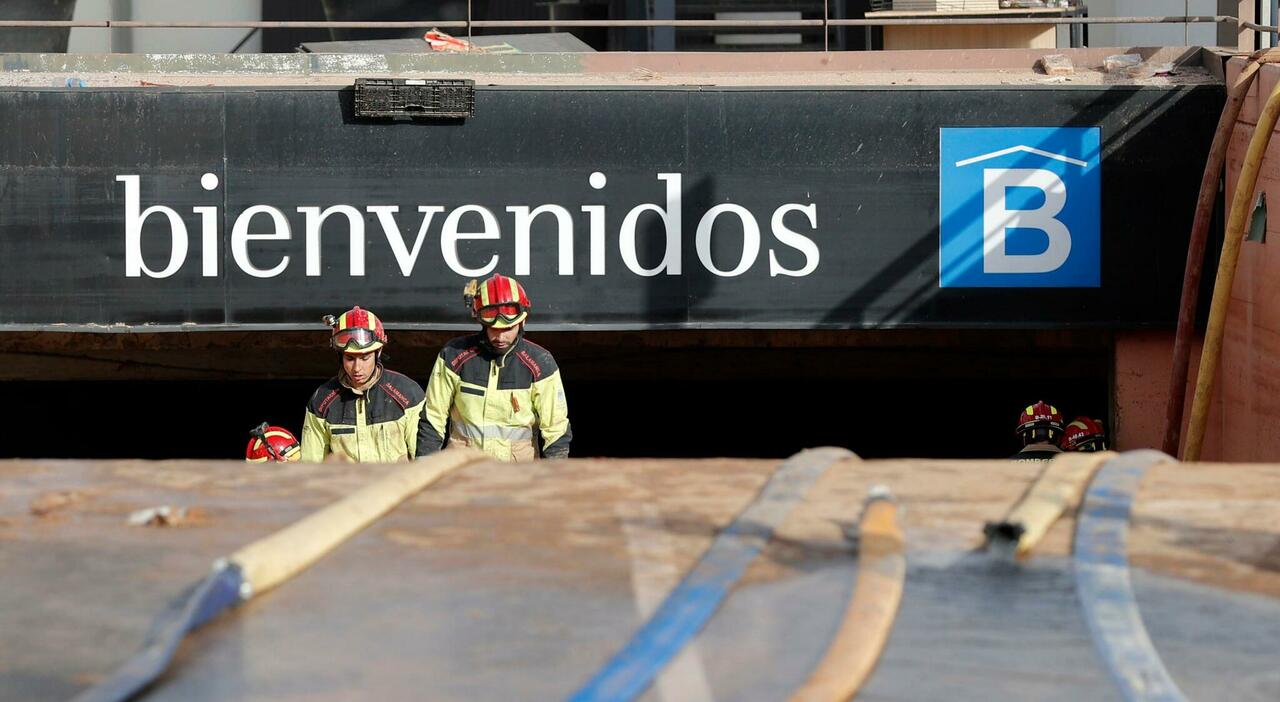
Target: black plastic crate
{"type": "Point", "coordinates": [415, 97]}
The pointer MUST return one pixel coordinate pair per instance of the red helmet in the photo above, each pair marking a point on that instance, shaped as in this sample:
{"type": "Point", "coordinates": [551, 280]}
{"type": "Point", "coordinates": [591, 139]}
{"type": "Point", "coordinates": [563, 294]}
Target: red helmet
{"type": "Point", "coordinates": [356, 331]}
{"type": "Point", "coordinates": [1084, 434]}
{"type": "Point", "coordinates": [1041, 415]}
{"type": "Point", "coordinates": [499, 302]}
{"type": "Point", "coordinates": [268, 443]}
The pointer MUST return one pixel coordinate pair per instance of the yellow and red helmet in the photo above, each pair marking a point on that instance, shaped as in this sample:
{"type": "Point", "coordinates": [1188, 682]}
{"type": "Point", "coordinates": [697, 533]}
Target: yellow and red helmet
{"type": "Point", "coordinates": [270, 443]}
{"type": "Point", "coordinates": [356, 331]}
{"type": "Point", "coordinates": [1041, 415]}
{"type": "Point", "coordinates": [1084, 434]}
{"type": "Point", "coordinates": [499, 302]}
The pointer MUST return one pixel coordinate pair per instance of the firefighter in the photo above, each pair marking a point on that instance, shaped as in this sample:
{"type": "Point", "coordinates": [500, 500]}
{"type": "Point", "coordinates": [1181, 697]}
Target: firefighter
{"type": "Point", "coordinates": [1084, 434]}
{"type": "Point", "coordinates": [496, 390]}
{"type": "Point", "coordinates": [366, 413]}
{"type": "Point", "coordinates": [272, 444]}
{"type": "Point", "coordinates": [1039, 427]}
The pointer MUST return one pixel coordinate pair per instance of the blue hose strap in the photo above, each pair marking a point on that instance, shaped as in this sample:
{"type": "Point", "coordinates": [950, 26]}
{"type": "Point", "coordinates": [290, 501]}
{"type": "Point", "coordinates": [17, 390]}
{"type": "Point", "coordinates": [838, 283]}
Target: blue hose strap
{"type": "Point", "coordinates": [693, 602]}
{"type": "Point", "coordinates": [201, 602]}
{"type": "Point", "coordinates": [1102, 581]}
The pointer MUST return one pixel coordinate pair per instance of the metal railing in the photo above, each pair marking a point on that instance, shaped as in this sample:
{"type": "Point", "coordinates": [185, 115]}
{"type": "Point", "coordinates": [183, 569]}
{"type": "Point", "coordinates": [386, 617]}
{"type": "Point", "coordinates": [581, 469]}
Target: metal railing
{"type": "Point", "coordinates": [826, 23]}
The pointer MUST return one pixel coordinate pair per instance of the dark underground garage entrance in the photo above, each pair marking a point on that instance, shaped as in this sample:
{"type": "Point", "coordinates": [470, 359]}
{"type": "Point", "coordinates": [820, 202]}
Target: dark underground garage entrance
{"type": "Point", "coordinates": [766, 394]}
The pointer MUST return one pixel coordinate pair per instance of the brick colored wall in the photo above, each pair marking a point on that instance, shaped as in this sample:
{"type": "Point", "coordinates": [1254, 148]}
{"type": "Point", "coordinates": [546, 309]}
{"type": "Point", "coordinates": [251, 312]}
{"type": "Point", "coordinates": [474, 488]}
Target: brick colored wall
{"type": "Point", "coordinates": [1143, 362]}
{"type": "Point", "coordinates": [1245, 422]}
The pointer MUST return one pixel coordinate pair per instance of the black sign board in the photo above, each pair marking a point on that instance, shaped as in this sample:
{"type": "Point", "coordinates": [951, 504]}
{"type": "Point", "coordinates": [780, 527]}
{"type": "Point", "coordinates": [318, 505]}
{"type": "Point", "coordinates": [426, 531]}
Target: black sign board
{"type": "Point", "coordinates": [618, 208]}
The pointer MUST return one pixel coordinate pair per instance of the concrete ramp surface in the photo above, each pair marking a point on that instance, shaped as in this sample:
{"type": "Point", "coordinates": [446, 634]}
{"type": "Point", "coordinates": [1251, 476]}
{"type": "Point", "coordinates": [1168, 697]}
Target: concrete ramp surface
{"type": "Point", "coordinates": [506, 582]}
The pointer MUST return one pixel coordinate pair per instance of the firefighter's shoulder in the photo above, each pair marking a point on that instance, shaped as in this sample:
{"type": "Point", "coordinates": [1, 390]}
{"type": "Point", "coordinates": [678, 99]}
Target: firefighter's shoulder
{"type": "Point", "coordinates": [540, 360]}
{"type": "Point", "coordinates": [405, 390]}
{"type": "Point", "coordinates": [324, 396]}
{"type": "Point", "coordinates": [460, 348]}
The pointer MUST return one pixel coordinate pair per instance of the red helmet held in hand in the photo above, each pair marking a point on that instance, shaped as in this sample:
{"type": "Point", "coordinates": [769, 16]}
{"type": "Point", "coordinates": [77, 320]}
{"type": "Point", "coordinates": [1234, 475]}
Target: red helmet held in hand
{"type": "Point", "coordinates": [270, 443]}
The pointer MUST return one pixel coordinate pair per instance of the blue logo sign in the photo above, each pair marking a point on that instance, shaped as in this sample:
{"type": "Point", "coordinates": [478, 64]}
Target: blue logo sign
{"type": "Point", "coordinates": [1020, 207]}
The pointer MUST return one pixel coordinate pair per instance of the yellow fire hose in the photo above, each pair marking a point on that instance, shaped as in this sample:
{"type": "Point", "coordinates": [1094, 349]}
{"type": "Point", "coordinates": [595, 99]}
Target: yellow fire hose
{"type": "Point", "coordinates": [1196, 245]}
{"type": "Point", "coordinates": [868, 620]}
{"type": "Point", "coordinates": [1237, 221]}
{"type": "Point", "coordinates": [274, 559]}
{"type": "Point", "coordinates": [1059, 485]}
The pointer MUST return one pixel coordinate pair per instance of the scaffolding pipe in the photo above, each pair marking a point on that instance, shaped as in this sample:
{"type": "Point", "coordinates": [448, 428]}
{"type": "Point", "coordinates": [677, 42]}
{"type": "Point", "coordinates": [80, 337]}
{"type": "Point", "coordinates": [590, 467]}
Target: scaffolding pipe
{"type": "Point", "coordinates": [691, 24]}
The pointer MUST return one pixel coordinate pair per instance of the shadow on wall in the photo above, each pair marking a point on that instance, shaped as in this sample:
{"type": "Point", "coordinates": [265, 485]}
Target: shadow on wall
{"type": "Point", "coordinates": [44, 40]}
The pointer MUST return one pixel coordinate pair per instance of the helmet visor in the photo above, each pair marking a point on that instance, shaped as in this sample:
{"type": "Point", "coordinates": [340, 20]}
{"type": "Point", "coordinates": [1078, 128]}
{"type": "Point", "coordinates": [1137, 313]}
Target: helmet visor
{"type": "Point", "coordinates": [288, 453]}
{"type": "Point", "coordinates": [357, 339]}
{"type": "Point", "coordinates": [1089, 443]}
{"type": "Point", "coordinates": [508, 313]}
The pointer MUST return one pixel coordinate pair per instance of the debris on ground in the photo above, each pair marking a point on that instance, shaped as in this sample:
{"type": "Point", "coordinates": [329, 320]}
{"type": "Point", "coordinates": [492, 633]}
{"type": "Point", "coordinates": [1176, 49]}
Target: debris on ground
{"type": "Point", "coordinates": [443, 41]}
{"type": "Point", "coordinates": [642, 73]}
{"type": "Point", "coordinates": [47, 503]}
{"type": "Point", "coordinates": [1119, 62]}
{"type": "Point", "coordinates": [1057, 65]}
{"type": "Point", "coordinates": [166, 516]}
{"type": "Point", "coordinates": [1151, 70]}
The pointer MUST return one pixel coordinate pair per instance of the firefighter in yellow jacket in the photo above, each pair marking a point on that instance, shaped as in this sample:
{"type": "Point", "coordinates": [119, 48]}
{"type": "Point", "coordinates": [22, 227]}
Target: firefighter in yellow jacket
{"type": "Point", "coordinates": [366, 413]}
{"type": "Point", "coordinates": [496, 390]}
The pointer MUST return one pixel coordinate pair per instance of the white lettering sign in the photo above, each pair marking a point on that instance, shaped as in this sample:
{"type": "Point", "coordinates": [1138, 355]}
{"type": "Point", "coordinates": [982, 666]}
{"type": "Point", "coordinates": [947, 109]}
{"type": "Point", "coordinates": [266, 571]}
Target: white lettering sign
{"type": "Point", "coordinates": [645, 223]}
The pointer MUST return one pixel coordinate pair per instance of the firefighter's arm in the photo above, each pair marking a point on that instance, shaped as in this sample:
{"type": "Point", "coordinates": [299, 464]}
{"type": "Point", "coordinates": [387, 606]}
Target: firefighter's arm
{"type": "Point", "coordinates": [552, 411]}
{"type": "Point", "coordinates": [315, 438]}
{"type": "Point", "coordinates": [441, 388]}
{"type": "Point", "coordinates": [409, 425]}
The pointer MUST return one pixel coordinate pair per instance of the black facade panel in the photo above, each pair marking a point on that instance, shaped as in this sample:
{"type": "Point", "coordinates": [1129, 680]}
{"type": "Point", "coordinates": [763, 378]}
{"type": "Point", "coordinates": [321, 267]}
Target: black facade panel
{"type": "Point", "coordinates": [865, 161]}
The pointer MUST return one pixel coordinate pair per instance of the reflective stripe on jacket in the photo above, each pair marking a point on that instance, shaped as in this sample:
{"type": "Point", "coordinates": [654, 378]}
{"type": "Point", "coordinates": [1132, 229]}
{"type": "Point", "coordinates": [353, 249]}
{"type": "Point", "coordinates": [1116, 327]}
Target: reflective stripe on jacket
{"type": "Point", "coordinates": [379, 425]}
{"type": "Point", "coordinates": [511, 406]}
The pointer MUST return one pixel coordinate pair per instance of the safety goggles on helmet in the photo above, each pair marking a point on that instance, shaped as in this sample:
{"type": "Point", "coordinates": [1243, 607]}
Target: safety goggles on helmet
{"type": "Point", "coordinates": [354, 339]}
{"type": "Point", "coordinates": [508, 313]}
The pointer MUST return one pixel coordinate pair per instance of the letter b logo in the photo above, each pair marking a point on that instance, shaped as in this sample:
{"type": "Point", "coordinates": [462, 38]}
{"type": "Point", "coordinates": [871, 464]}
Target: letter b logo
{"type": "Point", "coordinates": [1020, 207]}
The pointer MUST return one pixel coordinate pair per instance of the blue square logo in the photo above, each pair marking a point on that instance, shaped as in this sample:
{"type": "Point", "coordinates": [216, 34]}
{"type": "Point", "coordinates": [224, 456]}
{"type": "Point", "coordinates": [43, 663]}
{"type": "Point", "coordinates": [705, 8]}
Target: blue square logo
{"type": "Point", "coordinates": [1020, 207]}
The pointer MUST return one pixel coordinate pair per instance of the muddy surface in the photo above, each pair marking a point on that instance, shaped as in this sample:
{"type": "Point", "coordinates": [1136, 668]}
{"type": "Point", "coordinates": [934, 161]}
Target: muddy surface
{"type": "Point", "coordinates": [507, 582]}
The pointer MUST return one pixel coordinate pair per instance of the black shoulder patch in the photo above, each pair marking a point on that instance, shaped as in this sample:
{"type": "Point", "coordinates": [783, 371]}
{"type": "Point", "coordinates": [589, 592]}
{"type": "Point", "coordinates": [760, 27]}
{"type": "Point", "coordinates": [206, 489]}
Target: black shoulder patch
{"type": "Point", "coordinates": [324, 396]}
{"type": "Point", "coordinates": [526, 358]}
{"type": "Point", "coordinates": [541, 358]}
{"type": "Point", "coordinates": [458, 351]}
{"type": "Point", "coordinates": [458, 345]}
{"type": "Point", "coordinates": [401, 388]}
